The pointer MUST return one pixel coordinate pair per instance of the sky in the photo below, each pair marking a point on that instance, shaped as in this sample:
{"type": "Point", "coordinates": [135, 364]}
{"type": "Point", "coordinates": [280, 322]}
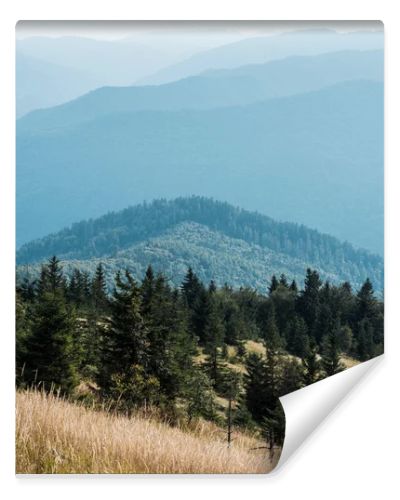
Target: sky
{"type": "Point", "coordinates": [114, 30]}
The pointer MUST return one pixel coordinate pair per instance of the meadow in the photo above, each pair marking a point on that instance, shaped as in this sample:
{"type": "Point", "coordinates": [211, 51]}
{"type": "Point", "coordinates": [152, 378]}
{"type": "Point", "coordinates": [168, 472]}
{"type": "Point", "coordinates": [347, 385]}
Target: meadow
{"type": "Point", "coordinates": [54, 435]}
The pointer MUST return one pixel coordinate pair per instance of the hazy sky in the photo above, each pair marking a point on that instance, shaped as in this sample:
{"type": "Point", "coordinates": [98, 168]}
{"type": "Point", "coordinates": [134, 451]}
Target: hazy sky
{"type": "Point", "coordinates": [111, 30]}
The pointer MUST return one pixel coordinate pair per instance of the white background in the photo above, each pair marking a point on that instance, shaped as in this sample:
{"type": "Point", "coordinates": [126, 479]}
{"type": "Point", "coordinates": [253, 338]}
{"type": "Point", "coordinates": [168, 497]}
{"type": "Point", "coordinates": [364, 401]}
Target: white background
{"type": "Point", "coordinates": [355, 453]}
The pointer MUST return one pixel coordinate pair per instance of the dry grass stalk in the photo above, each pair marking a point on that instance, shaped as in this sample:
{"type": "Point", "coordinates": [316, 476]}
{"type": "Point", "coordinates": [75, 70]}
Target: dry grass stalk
{"type": "Point", "coordinates": [57, 436]}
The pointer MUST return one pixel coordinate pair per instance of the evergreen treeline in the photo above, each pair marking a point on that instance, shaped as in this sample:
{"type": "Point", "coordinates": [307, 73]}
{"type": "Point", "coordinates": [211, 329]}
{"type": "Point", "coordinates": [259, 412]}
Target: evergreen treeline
{"type": "Point", "coordinates": [175, 349]}
{"type": "Point", "coordinates": [115, 231]}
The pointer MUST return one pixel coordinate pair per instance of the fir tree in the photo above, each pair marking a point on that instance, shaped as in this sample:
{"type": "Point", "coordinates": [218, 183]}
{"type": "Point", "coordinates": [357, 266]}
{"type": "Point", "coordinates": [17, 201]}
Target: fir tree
{"type": "Point", "coordinates": [330, 357]}
{"type": "Point", "coordinates": [271, 332]}
{"type": "Point", "coordinates": [293, 287]}
{"type": "Point", "coordinates": [297, 337]}
{"type": "Point", "coordinates": [273, 285]}
{"type": "Point", "coordinates": [311, 365]}
{"type": "Point", "coordinates": [308, 301]}
{"type": "Point", "coordinates": [273, 428]}
{"type": "Point", "coordinates": [255, 385]}
{"type": "Point", "coordinates": [50, 349]}
{"type": "Point", "coordinates": [200, 397]}
{"type": "Point", "coordinates": [99, 290]}
{"type": "Point", "coordinates": [213, 339]}
{"type": "Point", "coordinates": [125, 341]}
{"type": "Point", "coordinates": [365, 345]}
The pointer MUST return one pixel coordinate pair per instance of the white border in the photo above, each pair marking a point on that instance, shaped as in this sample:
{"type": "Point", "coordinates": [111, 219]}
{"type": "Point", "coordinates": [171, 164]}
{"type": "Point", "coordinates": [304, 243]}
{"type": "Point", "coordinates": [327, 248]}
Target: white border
{"type": "Point", "coordinates": [355, 452]}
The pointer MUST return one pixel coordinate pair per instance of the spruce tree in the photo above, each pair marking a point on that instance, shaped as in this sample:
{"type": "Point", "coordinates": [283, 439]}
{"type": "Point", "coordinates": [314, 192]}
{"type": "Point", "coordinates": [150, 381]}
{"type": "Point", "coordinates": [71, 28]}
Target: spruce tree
{"type": "Point", "coordinates": [311, 365]}
{"type": "Point", "coordinates": [169, 345]}
{"type": "Point", "coordinates": [271, 332]}
{"type": "Point", "coordinates": [213, 339]}
{"type": "Point", "coordinates": [200, 397]}
{"type": "Point", "coordinates": [99, 291]}
{"type": "Point", "coordinates": [330, 357]}
{"type": "Point", "coordinates": [191, 288]}
{"type": "Point", "coordinates": [297, 340]}
{"type": "Point", "coordinates": [273, 428]}
{"type": "Point", "coordinates": [293, 287]}
{"type": "Point", "coordinates": [50, 356]}
{"type": "Point", "coordinates": [75, 292]}
{"type": "Point", "coordinates": [125, 339]}
{"type": "Point", "coordinates": [273, 285]}
{"type": "Point", "coordinates": [365, 344]}
{"type": "Point", "coordinates": [283, 281]}
{"type": "Point", "coordinates": [308, 301]}
{"type": "Point", "coordinates": [255, 385]}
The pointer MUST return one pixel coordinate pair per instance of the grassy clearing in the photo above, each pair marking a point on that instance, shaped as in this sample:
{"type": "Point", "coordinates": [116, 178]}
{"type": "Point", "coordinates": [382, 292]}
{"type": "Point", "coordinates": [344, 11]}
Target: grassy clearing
{"type": "Point", "coordinates": [56, 436]}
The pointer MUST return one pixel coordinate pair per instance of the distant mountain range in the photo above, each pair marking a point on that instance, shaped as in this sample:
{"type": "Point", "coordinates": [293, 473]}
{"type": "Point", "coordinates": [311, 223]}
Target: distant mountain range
{"type": "Point", "coordinates": [315, 158]}
{"type": "Point", "coordinates": [217, 240]}
{"type": "Point", "coordinates": [54, 70]}
{"type": "Point", "coordinates": [51, 71]}
{"type": "Point", "coordinates": [239, 86]}
{"type": "Point", "coordinates": [40, 84]}
{"type": "Point", "coordinates": [267, 48]}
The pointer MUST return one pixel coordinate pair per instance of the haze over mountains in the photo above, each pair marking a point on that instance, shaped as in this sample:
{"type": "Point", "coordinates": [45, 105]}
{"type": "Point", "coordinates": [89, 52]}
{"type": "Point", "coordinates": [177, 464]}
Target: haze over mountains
{"type": "Point", "coordinates": [51, 71]}
{"type": "Point", "coordinates": [263, 49]}
{"type": "Point", "coordinates": [41, 84]}
{"type": "Point", "coordinates": [313, 158]}
{"type": "Point", "coordinates": [157, 56]}
{"type": "Point", "coordinates": [290, 125]}
{"type": "Point", "coordinates": [239, 86]}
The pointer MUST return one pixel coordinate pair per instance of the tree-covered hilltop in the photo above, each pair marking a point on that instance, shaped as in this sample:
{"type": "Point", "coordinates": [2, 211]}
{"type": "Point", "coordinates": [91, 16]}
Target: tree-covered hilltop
{"type": "Point", "coordinates": [220, 241]}
{"type": "Point", "coordinates": [183, 349]}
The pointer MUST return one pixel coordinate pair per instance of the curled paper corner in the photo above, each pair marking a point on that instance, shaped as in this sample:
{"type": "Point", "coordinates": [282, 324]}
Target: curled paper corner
{"type": "Point", "coordinates": [307, 408]}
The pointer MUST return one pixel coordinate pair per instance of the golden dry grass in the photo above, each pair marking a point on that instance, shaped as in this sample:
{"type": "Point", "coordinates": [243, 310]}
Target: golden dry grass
{"type": "Point", "coordinates": [349, 362]}
{"type": "Point", "coordinates": [57, 436]}
{"type": "Point", "coordinates": [256, 347]}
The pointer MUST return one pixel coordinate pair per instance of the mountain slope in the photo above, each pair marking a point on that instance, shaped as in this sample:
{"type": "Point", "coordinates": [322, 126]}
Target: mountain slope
{"type": "Point", "coordinates": [112, 62]}
{"type": "Point", "coordinates": [242, 86]}
{"type": "Point", "coordinates": [40, 84]}
{"type": "Point", "coordinates": [219, 241]}
{"type": "Point", "coordinates": [262, 49]}
{"type": "Point", "coordinates": [313, 158]}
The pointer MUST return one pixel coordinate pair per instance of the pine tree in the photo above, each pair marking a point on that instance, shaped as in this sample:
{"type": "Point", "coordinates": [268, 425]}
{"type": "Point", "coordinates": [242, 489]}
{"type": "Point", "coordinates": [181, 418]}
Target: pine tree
{"type": "Point", "coordinates": [255, 385]}
{"type": "Point", "coordinates": [291, 376]}
{"type": "Point", "coordinates": [99, 290]}
{"type": "Point", "coordinates": [23, 314]}
{"type": "Point", "coordinates": [50, 349]}
{"type": "Point", "coordinates": [200, 397]}
{"type": "Point", "coordinates": [366, 302]}
{"type": "Point", "coordinates": [272, 376]}
{"type": "Point", "coordinates": [293, 287]}
{"type": "Point", "coordinates": [273, 285]}
{"type": "Point", "coordinates": [330, 357]}
{"type": "Point", "coordinates": [365, 344]}
{"type": "Point", "coordinates": [311, 365]}
{"type": "Point", "coordinates": [125, 340]}
{"type": "Point", "coordinates": [147, 291]}
{"type": "Point", "coordinates": [271, 332]}
{"type": "Point", "coordinates": [51, 278]}
{"type": "Point", "coordinates": [297, 337]}
{"type": "Point", "coordinates": [169, 345]}
{"type": "Point", "coordinates": [191, 288]}
{"type": "Point", "coordinates": [308, 301]}
{"type": "Point", "coordinates": [213, 339]}
{"type": "Point", "coordinates": [273, 428]}
{"type": "Point", "coordinates": [283, 281]}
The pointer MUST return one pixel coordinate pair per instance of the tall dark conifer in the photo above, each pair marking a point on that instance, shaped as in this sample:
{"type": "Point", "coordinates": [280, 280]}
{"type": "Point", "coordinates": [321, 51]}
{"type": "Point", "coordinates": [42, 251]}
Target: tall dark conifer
{"type": "Point", "coordinates": [50, 354]}
{"type": "Point", "coordinates": [125, 340]}
{"type": "Point", "coordinates": [330, 356]}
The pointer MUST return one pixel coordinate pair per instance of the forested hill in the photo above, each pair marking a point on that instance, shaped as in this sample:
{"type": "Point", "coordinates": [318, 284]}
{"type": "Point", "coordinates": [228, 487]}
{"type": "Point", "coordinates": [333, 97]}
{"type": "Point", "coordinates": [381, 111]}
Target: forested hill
{"type": "Point", "coordinates": [156, 233]}
{"type": "Point", "coordinates": [314, 158]}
